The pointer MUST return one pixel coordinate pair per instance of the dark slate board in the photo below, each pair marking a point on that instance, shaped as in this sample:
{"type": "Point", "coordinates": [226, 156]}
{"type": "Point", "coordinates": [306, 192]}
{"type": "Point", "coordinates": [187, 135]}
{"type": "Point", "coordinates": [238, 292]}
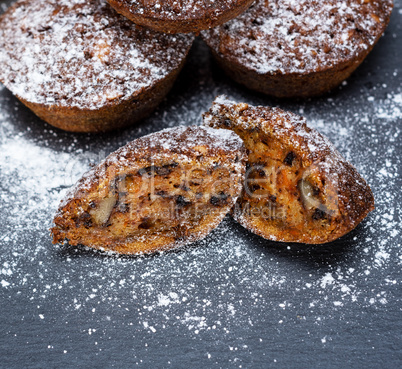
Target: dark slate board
{"type": "Point", "coordinates": [233, 300]}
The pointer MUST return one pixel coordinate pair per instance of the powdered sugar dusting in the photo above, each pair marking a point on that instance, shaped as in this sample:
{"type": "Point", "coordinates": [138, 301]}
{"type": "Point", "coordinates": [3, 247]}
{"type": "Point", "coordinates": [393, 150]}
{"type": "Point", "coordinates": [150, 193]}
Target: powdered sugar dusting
{"type": "Point", "coordinates": [179, 138]}
{"type": "Point", "coordinates": [231, 300]}
{"type": "Point", "coordinates": [180, 9]}
{"type": "Point", "coordinates": [293, 36]}
{"type": "Point", "coordinates": [81, 53]}
{"type": "Point", "coordinates": [30, 196]}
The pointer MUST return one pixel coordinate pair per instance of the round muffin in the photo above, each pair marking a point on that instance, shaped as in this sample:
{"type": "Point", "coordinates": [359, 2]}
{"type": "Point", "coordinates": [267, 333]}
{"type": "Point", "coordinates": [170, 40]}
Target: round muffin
{"type": "Point", "coordinates": [180, 16]}
{"type": "Point", "coordinates": [288, 48]}
{"type": "Point", "coordinates": [159, 192]}
{"type": "Point", "coordinates": [82, 67]}
{"type": "Point", "coordinates": [297, 188]}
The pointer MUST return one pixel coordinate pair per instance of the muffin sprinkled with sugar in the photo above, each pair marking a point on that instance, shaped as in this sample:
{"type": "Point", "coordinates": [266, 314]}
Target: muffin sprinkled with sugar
{"type": "Point", "coordinates": [175, 16]}
{"type": "Point", "coordinates": [298, 48]}
{"type": "Point", "coordinates": [81, 66]}
{"type": "Point", "coordinates": [298, 188]}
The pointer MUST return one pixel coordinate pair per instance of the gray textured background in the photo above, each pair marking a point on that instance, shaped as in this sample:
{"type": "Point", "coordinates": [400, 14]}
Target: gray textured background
{"type": "Point", "coordinates": [234, 299]}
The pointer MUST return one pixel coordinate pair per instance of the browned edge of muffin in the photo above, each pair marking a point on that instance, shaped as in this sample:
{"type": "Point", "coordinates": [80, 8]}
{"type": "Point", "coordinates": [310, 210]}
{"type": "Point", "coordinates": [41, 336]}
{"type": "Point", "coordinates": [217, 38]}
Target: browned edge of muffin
{"type": "Point", "coordinates": [290, 85]}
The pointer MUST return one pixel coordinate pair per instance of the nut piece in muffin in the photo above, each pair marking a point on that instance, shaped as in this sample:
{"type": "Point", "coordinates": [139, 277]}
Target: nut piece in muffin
{"type": "Point", "coordinates": [180, 16]}
{"type": "Point", "coordinates": [159, 192]}
{"type": "Point", "coordinates": [82, 67]}
{"type": "Point", "coordinates": [302, 48]}
{"type": "Point", "coordinates": [297, 188]}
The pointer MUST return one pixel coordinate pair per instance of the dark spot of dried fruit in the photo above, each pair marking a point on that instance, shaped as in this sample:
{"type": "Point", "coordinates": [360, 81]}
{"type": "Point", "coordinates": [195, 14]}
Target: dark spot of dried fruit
{"type": "Point", "coordinates": [159, 170]}
{"type": "Point", "coordinates": [254, 187]}
{"type": "Point", "coordinates": [166, 169]}
{"type": "Point", "coordinates": [219, 200]}
{"type": "Point", "coordinates": [146, 223]}
{"type": "Point", "coordinates": [272, 198]}
{"type": "Point", "coordinates": [289, 158]}
{"type": "Point", "coordinates": [84, 219]}
{"type": "Point", "coordinates": [181, 202]}
{"type": "Point", "coordinates": [319, 214]}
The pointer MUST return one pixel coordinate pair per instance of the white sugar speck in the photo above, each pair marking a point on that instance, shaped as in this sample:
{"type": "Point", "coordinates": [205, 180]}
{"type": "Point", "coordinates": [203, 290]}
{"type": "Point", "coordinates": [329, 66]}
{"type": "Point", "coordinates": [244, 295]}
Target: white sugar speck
{"type": "Point", "coordinates": [4, 283]}
{"type": "Point", "coordinates": [327, 280]}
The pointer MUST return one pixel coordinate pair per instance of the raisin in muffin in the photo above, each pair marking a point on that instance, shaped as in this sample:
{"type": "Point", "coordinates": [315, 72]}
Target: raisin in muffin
{"type": "Point", "coordinates": [288, 48]}
{"type": "Point", "coordinates": [156, 193]}
{"type": "Point", "coordinates": [82, 67]}
{"type": "Point", "coordinates": [180, 16]}
{"type": "Point", "coordinates": [298, 188]}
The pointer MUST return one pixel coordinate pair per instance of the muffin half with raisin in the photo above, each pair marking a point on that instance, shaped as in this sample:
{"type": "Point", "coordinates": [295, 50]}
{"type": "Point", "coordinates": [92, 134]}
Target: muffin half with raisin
{"type": "Point", "coordinates": [156, 193]}
{"type": "Point", "coordinates": [298, 188]}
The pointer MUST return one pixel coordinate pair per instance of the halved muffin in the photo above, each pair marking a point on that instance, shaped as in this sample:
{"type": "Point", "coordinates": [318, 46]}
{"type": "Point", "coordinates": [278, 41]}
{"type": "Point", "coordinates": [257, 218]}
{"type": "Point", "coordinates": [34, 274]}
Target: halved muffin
{"type": "Point", "coordinates": [158, 192]}
{"type": "Point", "coordinates": [298, 188]}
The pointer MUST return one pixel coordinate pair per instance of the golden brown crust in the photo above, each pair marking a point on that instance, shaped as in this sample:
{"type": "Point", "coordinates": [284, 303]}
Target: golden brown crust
{"type": "Point", "coordinates": [82, 67]}
{"type": "Point", "coordinates": [156, 193]}
{"type": "Point", "coordinates": [298, 187]}
{"type": "Point", "coordinates": [175, 17]}
{"type": "Point", "coordinates": [286, 49]}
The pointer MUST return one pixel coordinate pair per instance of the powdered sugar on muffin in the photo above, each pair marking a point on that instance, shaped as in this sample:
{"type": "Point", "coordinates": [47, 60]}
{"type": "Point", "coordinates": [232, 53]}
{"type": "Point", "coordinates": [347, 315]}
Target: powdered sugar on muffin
{"type": "Point", "coordinates": [81, 53]}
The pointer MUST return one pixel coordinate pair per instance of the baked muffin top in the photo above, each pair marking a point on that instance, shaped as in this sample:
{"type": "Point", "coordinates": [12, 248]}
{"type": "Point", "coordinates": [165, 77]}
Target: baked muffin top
{"type": "Point", "coordinates": [176, 16]}
{"type": "Point", "coordinates": [179, 9]}
{"type": "Point", "coordinates": [81, 53]}
{"type": "Point", "coordinates": [300, 36]}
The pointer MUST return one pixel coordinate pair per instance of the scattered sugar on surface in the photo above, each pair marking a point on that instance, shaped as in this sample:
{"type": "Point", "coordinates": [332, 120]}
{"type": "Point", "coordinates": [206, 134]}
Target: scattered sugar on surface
{"type": "Point", "coordinates": [185, 289]}
{"type": "Point", "coordinates": [231, 279]}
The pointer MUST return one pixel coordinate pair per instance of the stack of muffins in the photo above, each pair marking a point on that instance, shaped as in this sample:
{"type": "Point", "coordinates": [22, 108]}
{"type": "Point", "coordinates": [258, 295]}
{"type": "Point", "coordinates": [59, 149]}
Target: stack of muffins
{"type": "Point", "coordinates": [97, 65]}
